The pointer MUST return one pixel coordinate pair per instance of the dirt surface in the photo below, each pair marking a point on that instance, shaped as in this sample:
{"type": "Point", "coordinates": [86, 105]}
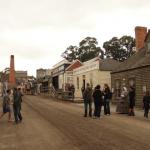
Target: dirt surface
{"type": "Point", "coordinates": [53, 125]}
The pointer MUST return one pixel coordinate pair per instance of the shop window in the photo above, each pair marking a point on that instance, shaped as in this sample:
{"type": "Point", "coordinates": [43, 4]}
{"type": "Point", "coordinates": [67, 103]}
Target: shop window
{"type": "Point", "coordinates": [117, 88]}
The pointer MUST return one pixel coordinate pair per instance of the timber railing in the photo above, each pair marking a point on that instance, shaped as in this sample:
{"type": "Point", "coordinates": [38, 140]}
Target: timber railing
{"type": "Point", "coordinates": [58, 94]}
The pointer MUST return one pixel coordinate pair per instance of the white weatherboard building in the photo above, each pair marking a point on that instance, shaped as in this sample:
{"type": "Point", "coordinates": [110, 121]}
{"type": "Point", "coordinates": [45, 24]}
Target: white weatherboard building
{"type": "Point", "coordinates": [95, 71]}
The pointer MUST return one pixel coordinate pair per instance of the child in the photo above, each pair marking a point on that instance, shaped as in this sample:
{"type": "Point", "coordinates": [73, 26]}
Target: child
{"type": "Point", "coordinates": [146, 102]}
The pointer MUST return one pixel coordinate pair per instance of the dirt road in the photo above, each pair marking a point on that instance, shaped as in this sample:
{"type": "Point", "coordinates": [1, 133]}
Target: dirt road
{"type": "Point", "coordinates": [53, 125]}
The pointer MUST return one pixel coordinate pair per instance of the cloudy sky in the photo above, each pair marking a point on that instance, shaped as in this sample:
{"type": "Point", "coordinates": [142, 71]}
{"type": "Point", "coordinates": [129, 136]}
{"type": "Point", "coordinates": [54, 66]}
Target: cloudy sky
{"type": "Point", "coordinates": [38, 31]}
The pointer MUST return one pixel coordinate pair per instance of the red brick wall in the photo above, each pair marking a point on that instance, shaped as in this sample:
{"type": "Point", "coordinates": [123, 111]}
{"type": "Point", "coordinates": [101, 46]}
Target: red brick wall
{"type": "Point", "coordinates": [140, 34]}
{"type": "Point", "coordinates": [12, 81]}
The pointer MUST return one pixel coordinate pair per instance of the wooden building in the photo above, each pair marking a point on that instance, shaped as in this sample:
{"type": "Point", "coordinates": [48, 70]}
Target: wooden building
{"type": "Point", "coordinates": [135, 70]}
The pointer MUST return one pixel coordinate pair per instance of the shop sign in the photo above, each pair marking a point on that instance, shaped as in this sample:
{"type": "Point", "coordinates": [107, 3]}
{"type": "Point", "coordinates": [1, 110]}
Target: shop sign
{"type": "Point", "coordinates": [86, 68]}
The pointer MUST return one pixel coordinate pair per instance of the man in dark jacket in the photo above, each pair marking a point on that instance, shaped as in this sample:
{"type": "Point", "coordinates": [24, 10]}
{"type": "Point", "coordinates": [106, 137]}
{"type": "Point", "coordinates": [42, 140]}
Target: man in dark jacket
{"type": "Point", "coordinates": [97, 95]}
{"type": "Point", "coordinates": [87, 96]}
{"type": "Point", "coordinates": [17, 105]}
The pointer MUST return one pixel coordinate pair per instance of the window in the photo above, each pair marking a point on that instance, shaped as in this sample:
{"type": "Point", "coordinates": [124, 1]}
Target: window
{"type": "Point", "coordinates": [77, 82]}
{"type": "Point", "coordinates": [117, 88]}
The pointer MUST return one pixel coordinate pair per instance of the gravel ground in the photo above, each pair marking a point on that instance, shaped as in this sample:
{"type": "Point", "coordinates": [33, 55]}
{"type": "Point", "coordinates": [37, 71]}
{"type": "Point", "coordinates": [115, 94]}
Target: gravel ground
{"type": "Point", "coordinates": [57, 125]}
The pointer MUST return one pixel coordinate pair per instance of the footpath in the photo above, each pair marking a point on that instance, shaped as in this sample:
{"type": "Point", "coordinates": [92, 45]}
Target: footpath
{"type": "Point", "coordinates": [139, 113]}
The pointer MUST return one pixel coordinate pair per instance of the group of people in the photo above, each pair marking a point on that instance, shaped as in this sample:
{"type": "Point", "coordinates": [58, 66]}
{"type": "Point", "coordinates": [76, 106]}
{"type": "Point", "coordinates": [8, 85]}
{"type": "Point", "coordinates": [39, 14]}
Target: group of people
{"type": "Point", "coordinates": [127, 102]}
{"type": "Point", "coordinates": [12, 100]}
{"type": "Point", "coordinates": [101, 97]}
{"type": "Point", "coordinates": [71, 89]}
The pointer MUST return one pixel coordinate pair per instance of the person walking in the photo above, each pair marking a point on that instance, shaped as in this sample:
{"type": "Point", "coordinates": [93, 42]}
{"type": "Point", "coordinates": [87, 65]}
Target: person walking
{"type": "Point", "coordinates": [107, 97]}
{"type": "Point", "coordinates": [97, 95]}
{"type": "Point", "coordinates": [87, 96]}
{"type": "Point", "coordinates": [6, 105]}
{"type": "Point", "coordinates": [146, 103]}
{"type": "Point", "coordinates": [17, 105]}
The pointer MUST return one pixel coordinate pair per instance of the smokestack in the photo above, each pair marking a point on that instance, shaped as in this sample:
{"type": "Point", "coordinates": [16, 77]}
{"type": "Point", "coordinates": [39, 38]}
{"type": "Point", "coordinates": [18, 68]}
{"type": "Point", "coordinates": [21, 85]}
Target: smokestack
{"type": "Point", "coordinates": [12, 81]}
{"type": "Point", "coordinates": [140, 34]}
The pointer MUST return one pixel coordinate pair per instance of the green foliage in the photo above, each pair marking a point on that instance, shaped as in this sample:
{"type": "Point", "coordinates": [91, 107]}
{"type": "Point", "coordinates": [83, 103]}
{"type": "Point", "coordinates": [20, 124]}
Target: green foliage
{"type": "Point", "coordinates": [87, 50]}
{"type": "Point", "coordinates": [119, 49]}
{"type": "Point", "coordinates": [71, 53]}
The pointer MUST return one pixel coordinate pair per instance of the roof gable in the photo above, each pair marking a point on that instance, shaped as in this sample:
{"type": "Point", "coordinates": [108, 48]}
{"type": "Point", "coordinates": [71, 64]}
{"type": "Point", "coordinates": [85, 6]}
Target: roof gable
{"type": "Point", "coordinates": [74, 65]}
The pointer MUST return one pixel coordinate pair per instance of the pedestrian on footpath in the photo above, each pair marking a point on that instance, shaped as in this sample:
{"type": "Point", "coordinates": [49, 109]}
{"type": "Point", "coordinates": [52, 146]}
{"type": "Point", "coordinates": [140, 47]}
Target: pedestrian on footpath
{"type": "Point", "coordinates": [17, 105]}
{"type": "Point", "coordinates": [131, 101]}
{"type": "Point", "coordinates": [87, 96]}
{"type": "Point", "coordinates": [146, 103]}
{"type": "Point", "coordinates": [107, 97]}
{"type": "Point", "coordinates": [6, 105]}
{"type": "Point", "coordinates": [97, 95]}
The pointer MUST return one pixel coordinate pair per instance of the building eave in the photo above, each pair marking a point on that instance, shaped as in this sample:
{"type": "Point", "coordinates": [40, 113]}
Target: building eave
{"type": "Point", "coordinates": [113, 72]}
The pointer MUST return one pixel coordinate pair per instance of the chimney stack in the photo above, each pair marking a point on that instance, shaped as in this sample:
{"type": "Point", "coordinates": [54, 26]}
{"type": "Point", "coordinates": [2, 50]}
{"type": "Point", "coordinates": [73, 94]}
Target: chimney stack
{"type": "Point", "coordinates": [12, 81]}
{"type": "Point", "coordinates": [140, 34]}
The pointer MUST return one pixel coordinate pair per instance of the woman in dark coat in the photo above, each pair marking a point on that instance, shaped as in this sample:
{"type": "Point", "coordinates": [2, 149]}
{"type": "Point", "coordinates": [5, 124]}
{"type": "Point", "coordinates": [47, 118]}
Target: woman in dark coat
{"type": "Point", "coordinates": [107, 97]}
{"type": "Point", "coordinates": [97, 95]}
{"type": "Point", "coordinates": [131, 101]}
{"type": "Point", "coordinates": [146, 102]}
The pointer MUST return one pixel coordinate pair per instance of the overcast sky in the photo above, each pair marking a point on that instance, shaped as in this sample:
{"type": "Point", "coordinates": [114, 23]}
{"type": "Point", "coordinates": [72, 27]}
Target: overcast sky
{"type": "Point", "coordinates": [38, 31]}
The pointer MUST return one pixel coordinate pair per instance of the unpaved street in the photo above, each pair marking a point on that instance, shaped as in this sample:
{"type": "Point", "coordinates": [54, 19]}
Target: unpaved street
{"type": "Point", "coordinates": [54, 125]}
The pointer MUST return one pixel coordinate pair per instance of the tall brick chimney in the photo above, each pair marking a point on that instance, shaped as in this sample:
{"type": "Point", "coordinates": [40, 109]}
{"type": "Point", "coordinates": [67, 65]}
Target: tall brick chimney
{"type": "Point", "coordinates": [12, 81]}
{"type": "Point", "coordinates": [140, 34]}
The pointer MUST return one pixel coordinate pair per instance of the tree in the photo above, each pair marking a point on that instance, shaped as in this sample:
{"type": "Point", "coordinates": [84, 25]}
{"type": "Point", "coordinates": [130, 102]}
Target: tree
{"type": "Point", "coordinates": [119, 49]}
{"type": "Point", "coordinates": [71, 53]}
{"type": "Point", "coordinates": [88, 49]}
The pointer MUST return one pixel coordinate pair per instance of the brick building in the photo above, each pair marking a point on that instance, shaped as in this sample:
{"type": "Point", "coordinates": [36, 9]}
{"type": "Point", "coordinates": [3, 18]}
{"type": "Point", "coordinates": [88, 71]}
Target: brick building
{"type": "Point", "coordinates": [135, 70]}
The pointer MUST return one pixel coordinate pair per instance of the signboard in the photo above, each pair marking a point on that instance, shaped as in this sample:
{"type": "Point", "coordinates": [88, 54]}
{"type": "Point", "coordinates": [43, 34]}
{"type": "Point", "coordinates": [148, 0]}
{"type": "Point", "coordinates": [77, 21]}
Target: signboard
{"type": "Point", "coordinates": [87, 67]}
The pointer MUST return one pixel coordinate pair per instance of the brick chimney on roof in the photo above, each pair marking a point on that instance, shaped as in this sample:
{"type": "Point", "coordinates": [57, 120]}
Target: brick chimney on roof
{"type": "Point", "coordinates": [140, 34]}
{"type": "Point", "coordinates": [12, 81]}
